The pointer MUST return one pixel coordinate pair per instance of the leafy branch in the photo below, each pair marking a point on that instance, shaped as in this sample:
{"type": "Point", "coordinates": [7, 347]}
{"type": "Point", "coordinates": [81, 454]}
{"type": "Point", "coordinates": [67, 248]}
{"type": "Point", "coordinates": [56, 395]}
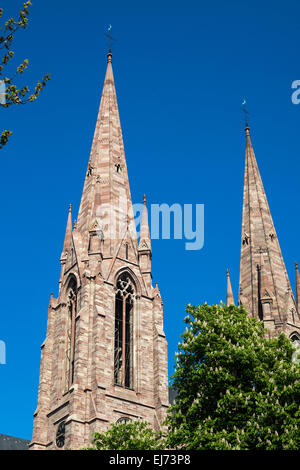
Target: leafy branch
{"type": "Point", "coordinates": [13, 94]}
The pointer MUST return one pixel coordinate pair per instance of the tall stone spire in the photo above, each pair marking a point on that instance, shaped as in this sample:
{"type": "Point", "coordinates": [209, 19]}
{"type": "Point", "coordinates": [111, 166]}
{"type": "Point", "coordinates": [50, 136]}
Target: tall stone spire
{"type": "Point", "coordinates": [106, 200]}
{"type": "Point", "coordinates": [263, 276]}
{"type": "Point", "coordinates": [229, 293]}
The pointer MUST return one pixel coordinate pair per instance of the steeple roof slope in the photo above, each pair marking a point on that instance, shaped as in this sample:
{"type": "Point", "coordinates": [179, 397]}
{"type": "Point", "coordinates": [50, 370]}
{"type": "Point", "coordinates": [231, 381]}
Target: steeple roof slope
{"type": "Point", "coordinates": [259, 242]}
{"type": "Point", "coordinates": [106, 200]}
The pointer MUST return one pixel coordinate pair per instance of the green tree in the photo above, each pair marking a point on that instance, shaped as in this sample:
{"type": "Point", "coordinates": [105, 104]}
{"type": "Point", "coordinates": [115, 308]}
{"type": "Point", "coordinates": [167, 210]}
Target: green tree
{"type": "Point", "coordinates": [237, 388]}
{"type": "Point", "coordinates": [136, 435]}
{"type": "Point", "coordinates": [14, 94]}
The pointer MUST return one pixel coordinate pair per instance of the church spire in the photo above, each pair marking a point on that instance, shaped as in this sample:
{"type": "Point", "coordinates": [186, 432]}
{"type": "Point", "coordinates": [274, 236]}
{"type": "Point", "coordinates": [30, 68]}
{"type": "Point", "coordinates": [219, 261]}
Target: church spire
{"type": "Point", "coordinates": [105, 354]}
{"type": "Point", "coordinates": [229, 294]}
{"type": "Point", "coordinates": [259, 241]}
{"type": "Point", "coordinates": [106, 200]}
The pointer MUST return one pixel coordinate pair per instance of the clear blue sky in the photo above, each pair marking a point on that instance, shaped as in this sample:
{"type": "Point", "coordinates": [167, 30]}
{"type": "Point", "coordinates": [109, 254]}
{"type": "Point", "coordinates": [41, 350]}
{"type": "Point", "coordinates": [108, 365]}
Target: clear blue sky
{"type": "Point", "coordinates": [181, 71]}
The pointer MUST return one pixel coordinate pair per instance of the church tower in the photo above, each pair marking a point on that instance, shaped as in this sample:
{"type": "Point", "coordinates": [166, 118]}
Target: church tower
{"type": "Point", "coordinates": [104, 358]}
{"type": "Point", "coordinates": [264, 287]}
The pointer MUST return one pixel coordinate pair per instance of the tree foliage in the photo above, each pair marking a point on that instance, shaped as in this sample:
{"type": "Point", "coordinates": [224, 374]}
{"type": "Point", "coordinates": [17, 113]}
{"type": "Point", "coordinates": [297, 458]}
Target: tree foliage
{"type": "Point", "coordinates": [237, 388]}
{"type": "Point", "coordinates": [14, 94]}
{"type": "Point", "coordinates": [136, 435]}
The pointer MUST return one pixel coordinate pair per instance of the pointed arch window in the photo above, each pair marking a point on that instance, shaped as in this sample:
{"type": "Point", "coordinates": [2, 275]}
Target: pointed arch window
{"type": "Point", "coordinates": [124, 306]}
{"type": "Point", "coordinates": [72, 312]}
{"type": "Point", "coordinates": [295, 339]}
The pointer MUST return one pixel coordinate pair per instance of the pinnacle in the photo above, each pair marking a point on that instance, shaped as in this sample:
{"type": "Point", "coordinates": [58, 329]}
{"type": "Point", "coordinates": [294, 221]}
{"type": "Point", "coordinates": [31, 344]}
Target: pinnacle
{"type": "Point", "coordinates": [229, 294]}
{"type": "Point", "coordinates": [145, 232]}
{"type": "Point", "coordinates": [68, 234]}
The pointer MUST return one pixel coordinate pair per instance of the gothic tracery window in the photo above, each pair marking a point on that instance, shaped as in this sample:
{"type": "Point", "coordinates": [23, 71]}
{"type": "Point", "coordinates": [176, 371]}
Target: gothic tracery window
{"type": "Point", "coordinates": [72, 311]}
{"type": "Point", "coordinates": [123, 360]}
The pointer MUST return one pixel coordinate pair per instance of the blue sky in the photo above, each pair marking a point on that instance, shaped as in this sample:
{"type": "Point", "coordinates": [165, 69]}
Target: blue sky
{"type": "Point", "coordinates": [182, 70]}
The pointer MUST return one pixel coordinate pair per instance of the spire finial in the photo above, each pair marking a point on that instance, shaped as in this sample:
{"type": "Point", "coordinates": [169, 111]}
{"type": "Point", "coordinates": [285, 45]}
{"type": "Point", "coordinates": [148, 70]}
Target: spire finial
{"type": "Point", "coordinates": [70, 207]}
{"type": "Point", "coordinates": [246, 113]}
{"type": "Point", "coordinates": [145, 201]}
{"type": "Point", "coordinates": [110, 39]}
{"type": "Point", "coordinates": [109, 57]}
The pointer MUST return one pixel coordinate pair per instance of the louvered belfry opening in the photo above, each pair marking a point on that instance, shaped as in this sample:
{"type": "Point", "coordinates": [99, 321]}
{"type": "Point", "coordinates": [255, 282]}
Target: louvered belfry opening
{"type": "Point", "coordinates": [123, 369]}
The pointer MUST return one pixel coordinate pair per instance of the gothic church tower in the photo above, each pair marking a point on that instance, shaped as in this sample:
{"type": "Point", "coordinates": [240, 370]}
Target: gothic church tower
{"type": "Point", "coordinates": [104, 358]}
{"type": "Point", "coordinates": [264, 289]}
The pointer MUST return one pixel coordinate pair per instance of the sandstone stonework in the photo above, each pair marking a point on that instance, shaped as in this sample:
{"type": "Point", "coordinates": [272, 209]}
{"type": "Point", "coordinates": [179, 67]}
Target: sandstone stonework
{"type": "Point", "coordinates": [78, 394]}
{"type": "Point", "coordinates": [264, 287]}
{"type": "Point", "coordinates": [229, 293]}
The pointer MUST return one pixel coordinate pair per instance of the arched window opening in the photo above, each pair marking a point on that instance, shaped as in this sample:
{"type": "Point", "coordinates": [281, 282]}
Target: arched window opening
{"type": "Point", "coordinates": [72, 311]}
{"type": "Point", "coordinates": [295, 338]}
{"type": "Point", "coordinates": [123, 373]}
{"type": "Point", "coordinates": [60, 434]}
{"type": "Point", "coordinates": [124, 420]}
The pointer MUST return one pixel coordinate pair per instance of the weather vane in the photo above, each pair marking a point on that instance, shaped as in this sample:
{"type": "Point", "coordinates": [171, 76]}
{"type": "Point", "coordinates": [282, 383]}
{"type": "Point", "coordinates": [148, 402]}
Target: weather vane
{"type": "Point", "coordinates": [245, 112]}
{"type": "Point", "coordinates": [110, 38]}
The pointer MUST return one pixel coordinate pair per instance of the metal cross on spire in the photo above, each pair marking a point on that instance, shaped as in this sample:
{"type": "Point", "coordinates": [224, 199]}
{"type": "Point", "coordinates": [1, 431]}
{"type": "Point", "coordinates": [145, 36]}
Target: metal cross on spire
{"type": "Point", "coordinates": [245, 112]}
{"type": "Point", "coordinates": [110, 38]}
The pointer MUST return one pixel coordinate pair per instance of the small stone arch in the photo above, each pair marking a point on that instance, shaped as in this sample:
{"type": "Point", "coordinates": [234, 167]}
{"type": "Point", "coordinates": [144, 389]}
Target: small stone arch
{"type": "Point", "coordinates": [295, 337]}
{"type": "Point", "coordinates": [72, 277]}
